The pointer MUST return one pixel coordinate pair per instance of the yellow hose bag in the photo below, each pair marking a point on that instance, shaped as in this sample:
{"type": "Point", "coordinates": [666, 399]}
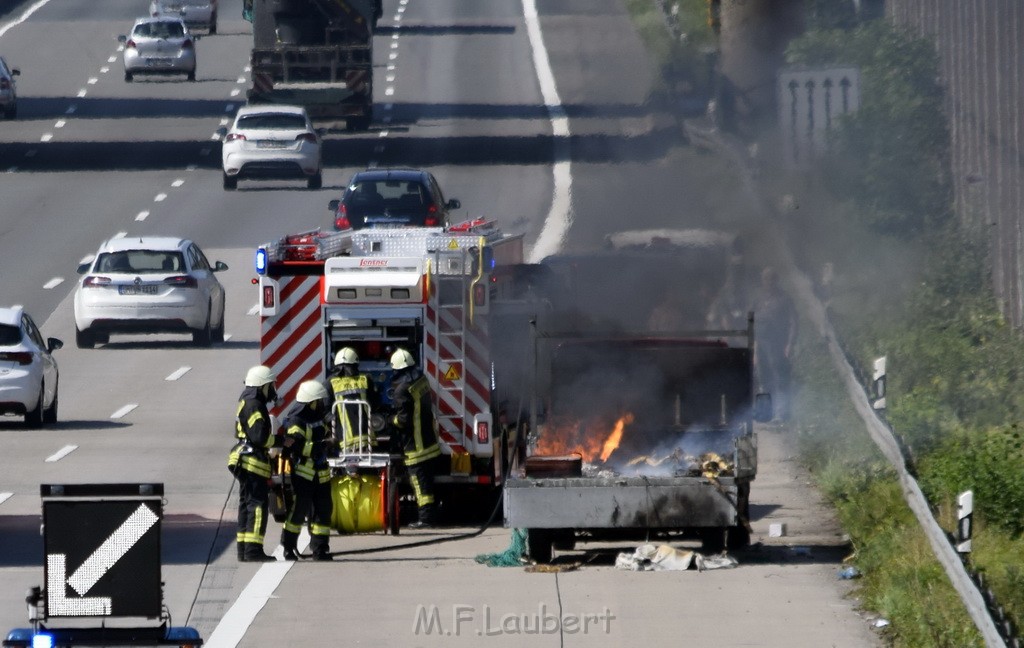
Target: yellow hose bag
{"type": "Point", "coordinates": [358, 504]}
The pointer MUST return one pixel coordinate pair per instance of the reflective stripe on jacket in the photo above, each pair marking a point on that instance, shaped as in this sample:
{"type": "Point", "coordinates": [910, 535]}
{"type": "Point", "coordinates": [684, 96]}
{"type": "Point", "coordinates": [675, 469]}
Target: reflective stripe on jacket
{"type": "Point", "coordinates": [414, 417]}
{"type": "Point", "coordinates": [254, 434]}
{"type": "Point", "coordinates": [309, 451]}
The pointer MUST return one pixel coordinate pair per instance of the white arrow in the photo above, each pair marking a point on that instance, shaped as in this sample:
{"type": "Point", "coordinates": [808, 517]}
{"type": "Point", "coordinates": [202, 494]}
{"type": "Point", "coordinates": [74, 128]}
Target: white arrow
{"type": "Point", "coordinates": [57, 601]}
{"type": "Point", "coordinates": [112, 549]}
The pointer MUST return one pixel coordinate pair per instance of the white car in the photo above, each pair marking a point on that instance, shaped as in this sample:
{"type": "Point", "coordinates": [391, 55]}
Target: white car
{"type": "Point", "coordinates": [28, 372]}
{"type": "Point", "coordinates": [159, 46]}
{"type": "Point", "coordinates": [197, 14]}
{"type": "Point", "coordinates": [271, 141]}
{"type": "Point", "coordinates": [151, 284]}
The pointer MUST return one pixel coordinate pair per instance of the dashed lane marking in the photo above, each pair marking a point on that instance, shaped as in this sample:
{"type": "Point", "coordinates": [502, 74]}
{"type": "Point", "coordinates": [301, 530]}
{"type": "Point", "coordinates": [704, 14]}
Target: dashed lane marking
{"type": "Point", "coordinates": [178, 373]}
{"type": "Point", "coordinates": [31, 153]}
{"type": "Point", "coordinates": [390, 78]}
{"type": "Point", "coordinates": [92, 80]}
{"type": "Point", "coordinates": [384, 133]}
{"type": "Point", "coordinates": [82, 93]}
{"type": "Point", "coordinates": [46, 137]}
{"type": "Point", "coordinates": [60, 123]}
{"type": "Point", "coordinates": [240, 80]}
{"type": "Point", "coordinates": [178, 183]}
{"type": "Point", "coordinates": [235, 92]}
{"type": "Point", "coordinates": [53, 283]}
{"type": "Point", "coordinates": [160, 197]}
{"type": "Point", "coordinates": [5, 496]}
{"type": "Point", "coordinates": [389, 91]}
{"type": "Point", "coordinates": [392, 56]}
{"type": "Point", "coordinates": [142, 215]}
{"type": "Point", "coordinates": [111, 59]}
{"type": "Point", "coordinates": [104, 69]}
{"type": "Point", "coordinates": [227, 336]}
{"type": "Point", "coordinates": [71, 109]}
{"type": "Point", "coordinates": [60, 454]}
{"type": "Point", "coordinates": [229, 107]}
{"type": "Point", "coordinates": [121, 413]}
{"type": "Point", "coordinates": [23, 17]}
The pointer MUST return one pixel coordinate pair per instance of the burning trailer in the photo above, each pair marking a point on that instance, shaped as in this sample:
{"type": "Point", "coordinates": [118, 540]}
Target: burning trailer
{"type": "Point", "coordinates": [637, 435]}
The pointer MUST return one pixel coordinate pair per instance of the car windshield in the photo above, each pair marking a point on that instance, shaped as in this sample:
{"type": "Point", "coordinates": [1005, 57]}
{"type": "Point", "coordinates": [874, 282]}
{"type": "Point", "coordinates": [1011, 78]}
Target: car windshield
{"type": "Point", "coordinates": [141, 262]}
{"type": "Point", "coordinates": [9, 335]}
{"type": "Point", "coordinates": [271, 121]}
{"type": "Point", "coordinates": [392, 196]}
{"type": "Point", "coordinates": [160, 30]}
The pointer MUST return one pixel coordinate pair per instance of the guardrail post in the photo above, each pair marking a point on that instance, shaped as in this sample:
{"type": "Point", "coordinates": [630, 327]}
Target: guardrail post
{"type": "Point", "coordinates": [965, 519]}
{"type": "Point", "coordinates": [878, 384]}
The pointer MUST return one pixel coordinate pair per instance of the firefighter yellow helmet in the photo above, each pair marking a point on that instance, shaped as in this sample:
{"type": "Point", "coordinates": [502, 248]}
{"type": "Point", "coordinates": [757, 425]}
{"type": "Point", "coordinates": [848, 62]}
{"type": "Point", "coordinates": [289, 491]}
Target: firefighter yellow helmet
{"type": "Point", "coordinates": [259, 376]}
{"type": "Point", "coordinates": [347, 355]}
{"type": "Point", "coordinates": [311, 390]}
{"type": "Point", "coordinates": [401, 359]}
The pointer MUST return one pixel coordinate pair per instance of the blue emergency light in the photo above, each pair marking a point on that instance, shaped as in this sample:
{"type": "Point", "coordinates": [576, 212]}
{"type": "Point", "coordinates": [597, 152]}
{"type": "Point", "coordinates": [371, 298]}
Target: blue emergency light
{"type": "Point", "coordinates": [261, 261]}
{"type": "Point", "coordinates": [42, 640]}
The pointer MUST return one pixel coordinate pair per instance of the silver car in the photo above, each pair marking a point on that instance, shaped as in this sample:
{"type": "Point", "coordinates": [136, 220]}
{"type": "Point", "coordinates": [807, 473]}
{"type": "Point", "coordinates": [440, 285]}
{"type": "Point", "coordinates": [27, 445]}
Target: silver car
{"type": "Point", "coordinates": [8, 90]}
{"type": "Point", "coordinates": [197, 14]}
{"type": "Point", "coordinates": [159, 46]}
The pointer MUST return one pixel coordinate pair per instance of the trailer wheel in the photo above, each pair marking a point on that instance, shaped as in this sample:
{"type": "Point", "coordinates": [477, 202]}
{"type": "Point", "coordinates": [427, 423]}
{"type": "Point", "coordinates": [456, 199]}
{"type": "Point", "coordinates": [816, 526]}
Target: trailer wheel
{"type": "Point", "coordinates": [539, 545]}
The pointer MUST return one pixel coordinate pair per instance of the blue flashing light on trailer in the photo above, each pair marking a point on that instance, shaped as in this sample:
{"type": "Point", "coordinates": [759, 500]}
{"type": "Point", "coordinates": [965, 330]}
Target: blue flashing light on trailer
{"type": "Point", "coordinates": [261, 261]}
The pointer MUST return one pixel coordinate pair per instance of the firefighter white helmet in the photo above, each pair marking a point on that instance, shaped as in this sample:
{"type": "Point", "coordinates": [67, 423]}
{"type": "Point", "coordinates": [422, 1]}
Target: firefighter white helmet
{"type": "Point", "coordinates": [347, 355]}
{"type": "Point", "coordinates": [311, 390]}
{"type": "Point", "coordinates": [401, 359]}
{"type": "Point", "coordinates": [259, 376]}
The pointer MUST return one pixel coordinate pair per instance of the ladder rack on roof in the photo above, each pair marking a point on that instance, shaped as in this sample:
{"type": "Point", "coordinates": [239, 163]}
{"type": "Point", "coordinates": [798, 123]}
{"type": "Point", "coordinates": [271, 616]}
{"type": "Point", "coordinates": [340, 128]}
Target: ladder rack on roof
{"type": "Point", "coordinates": [317, 245]}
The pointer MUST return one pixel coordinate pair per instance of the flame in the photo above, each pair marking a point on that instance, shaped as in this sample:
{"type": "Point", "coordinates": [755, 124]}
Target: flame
{"type": "Point", "coordinates": [564, 437]}
{"type": "Point", "coordinates": [612, 442]}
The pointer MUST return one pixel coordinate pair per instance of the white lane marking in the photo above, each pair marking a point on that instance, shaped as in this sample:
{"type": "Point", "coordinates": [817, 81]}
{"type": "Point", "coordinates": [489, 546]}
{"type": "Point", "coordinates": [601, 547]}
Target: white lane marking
{"type": "Point", "coordinates": [24, 16]}
{"type": "Point", "coordinates": [104, 69]}
{"type": "Point", "coordinates": [191, 167]}
{"type": "Point", "coordinates": [394, 36]}
{"type": "Point", "coordinates": [234, 624]}
{"type": "Point", "coordinates": [205, 151]}
{"type": "Point", "coordinates": [142, 215]}
{"type": "Point", "coordinates": [81, 93]}
{"type": "Point", "coordinates": [160, 197]}
{"type": "Point", "coordinates": [392, 56]}
{"type": "Point", "coordinates": [229, 107]}
{"type": "Point", "coordinates": [178, 373]}
{"type": "Point", "coordinates": [390, 78]}
{"type": "Point", "coordinates": [224, 121]}
{"type": "Point", "coordinates": [235, 92]}
{"type": "Point", "coordinates": [31, 153]}
{"type": "Point", "coordinates": [247, 69]}
{"type": "Point", "coordinates": [46, 137]}
{"type": "Point", "coordinates": [389, 106]}
{"type": "Point", "coordinates": [111, 59]}
{"type": "Point", "coordinates": [227, 336]}
{"type": "Point", "coordinates": [386, 119]}
{"type": "Point", "coordinates": [60, 123]}
{"type": "Point", "coordinates": [398, 16]}
{"type": "Point", "coordinates": [121, 413]}
{"type": "Point", "coordinates": [389, 91]}
{"type": "Point", "coordinates": [255, 309]}
{"type": "Point", "coordinates": [120, 235]}
{"type": "Point", "coordinates": [60, 454]}
{"type": "Point", "coordinates": [394, 44]}
{"type": "Point", "coordinates": [178, 183]}
{"type": "Point", "coordinates": [120, 48]}
{"type": "Point", "coordinates": [53, 283]}
{"type": "Point", "coordinates": [92, 80]}
{"type": "Point", "coordinates": [559, 218]}
{"type": "Point", "coordinates": [391, 66]}
{"type": "Point", "coordinates": [384, 133]}
{"type": "Point", "coordinates": [5, 496]}
{"type": "Point", "coordinates": [240, 80]}
{"type": "Point", "coordinates": [71, 109]}
{"type": "Point", "coordinates": [214, 137]}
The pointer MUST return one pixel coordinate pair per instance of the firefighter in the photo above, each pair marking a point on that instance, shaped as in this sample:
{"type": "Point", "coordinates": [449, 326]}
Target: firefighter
{"type": "Point", "coordinates": [413, 419]}
{"type": "Point", "coordinates": [351, 419]}
{"type": "Point", "coordinates": [306, 426]}
{"type": "Point", "coordinates": [249, 461]}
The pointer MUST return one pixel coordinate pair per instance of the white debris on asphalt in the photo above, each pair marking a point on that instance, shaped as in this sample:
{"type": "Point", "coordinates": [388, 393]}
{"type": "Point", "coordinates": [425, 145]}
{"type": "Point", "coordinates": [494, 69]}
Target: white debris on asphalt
{"type": "Point", "coordinates": [649, 557]}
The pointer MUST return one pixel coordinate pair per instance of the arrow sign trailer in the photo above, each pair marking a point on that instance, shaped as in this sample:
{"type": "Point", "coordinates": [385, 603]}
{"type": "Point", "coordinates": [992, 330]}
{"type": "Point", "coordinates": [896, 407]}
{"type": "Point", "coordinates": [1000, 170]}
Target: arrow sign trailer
{"type": "Point", "coordinates": [111, 548]}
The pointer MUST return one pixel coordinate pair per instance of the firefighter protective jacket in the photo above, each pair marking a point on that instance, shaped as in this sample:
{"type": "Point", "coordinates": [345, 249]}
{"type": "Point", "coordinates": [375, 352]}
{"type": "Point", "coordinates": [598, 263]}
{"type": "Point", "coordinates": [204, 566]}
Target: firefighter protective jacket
{"type": "Point", "coordinates": [312, 443]}
{"type": "Point", "coordinates": [413, 417]}
{"type": "Point", "coordinates": [254, 433]}
{"type": "Point", "coordinates": [353, 419]}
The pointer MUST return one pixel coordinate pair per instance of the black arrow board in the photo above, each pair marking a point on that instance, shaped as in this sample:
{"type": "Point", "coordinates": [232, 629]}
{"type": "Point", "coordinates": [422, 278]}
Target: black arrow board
{"type": "Point", "coordinates": [102, 558]}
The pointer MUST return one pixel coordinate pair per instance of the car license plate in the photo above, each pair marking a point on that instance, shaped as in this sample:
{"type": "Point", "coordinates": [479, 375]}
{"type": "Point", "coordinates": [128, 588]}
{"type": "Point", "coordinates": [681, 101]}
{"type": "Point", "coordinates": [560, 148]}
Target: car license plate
{"type": "Point", "coordinates": [270, 144]}
{"type": "Point", "coordinates": [158, 62]}
{"type": "Point", "coordinates": [137, 290]}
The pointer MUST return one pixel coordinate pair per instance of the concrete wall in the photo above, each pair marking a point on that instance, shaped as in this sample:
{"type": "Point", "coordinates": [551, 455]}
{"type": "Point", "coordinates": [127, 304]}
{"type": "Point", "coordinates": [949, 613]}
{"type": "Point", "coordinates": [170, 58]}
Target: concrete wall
{"type": "Point", "coordinates": [980, 46]}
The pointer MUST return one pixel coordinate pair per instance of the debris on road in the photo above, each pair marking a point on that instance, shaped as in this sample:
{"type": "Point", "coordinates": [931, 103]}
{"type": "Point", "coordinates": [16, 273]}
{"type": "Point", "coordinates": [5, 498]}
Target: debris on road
{"type": "Point", "coordinates": [649, 557]}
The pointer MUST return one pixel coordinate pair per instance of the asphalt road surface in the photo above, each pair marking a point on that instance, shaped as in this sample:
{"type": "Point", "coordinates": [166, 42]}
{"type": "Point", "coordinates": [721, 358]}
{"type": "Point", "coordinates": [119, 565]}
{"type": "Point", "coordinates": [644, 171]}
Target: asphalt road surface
{"type": "Point", "coordinates": [564, 154]}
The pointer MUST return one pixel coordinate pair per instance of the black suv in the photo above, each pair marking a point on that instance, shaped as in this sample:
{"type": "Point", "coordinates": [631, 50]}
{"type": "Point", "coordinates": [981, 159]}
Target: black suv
{"type": "Point", "coordinates": [392, 198]}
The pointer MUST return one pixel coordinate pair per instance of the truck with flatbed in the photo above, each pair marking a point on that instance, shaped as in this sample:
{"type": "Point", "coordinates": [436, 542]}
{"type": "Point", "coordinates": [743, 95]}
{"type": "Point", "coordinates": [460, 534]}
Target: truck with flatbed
{"type": "Point", "coordinates": [317, 54]}
{"type": "Point", "coordinates": [643, 416]}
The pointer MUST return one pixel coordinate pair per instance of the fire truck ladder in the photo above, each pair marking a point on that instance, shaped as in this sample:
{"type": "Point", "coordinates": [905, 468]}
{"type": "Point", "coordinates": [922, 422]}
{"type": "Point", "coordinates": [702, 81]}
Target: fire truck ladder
{"type": "Point", "coordinates": [451, 268]}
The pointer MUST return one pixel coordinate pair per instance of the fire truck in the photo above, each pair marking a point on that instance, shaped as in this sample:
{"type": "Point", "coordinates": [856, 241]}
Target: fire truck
{"type": "Point", "coordinates": [441, 293]}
